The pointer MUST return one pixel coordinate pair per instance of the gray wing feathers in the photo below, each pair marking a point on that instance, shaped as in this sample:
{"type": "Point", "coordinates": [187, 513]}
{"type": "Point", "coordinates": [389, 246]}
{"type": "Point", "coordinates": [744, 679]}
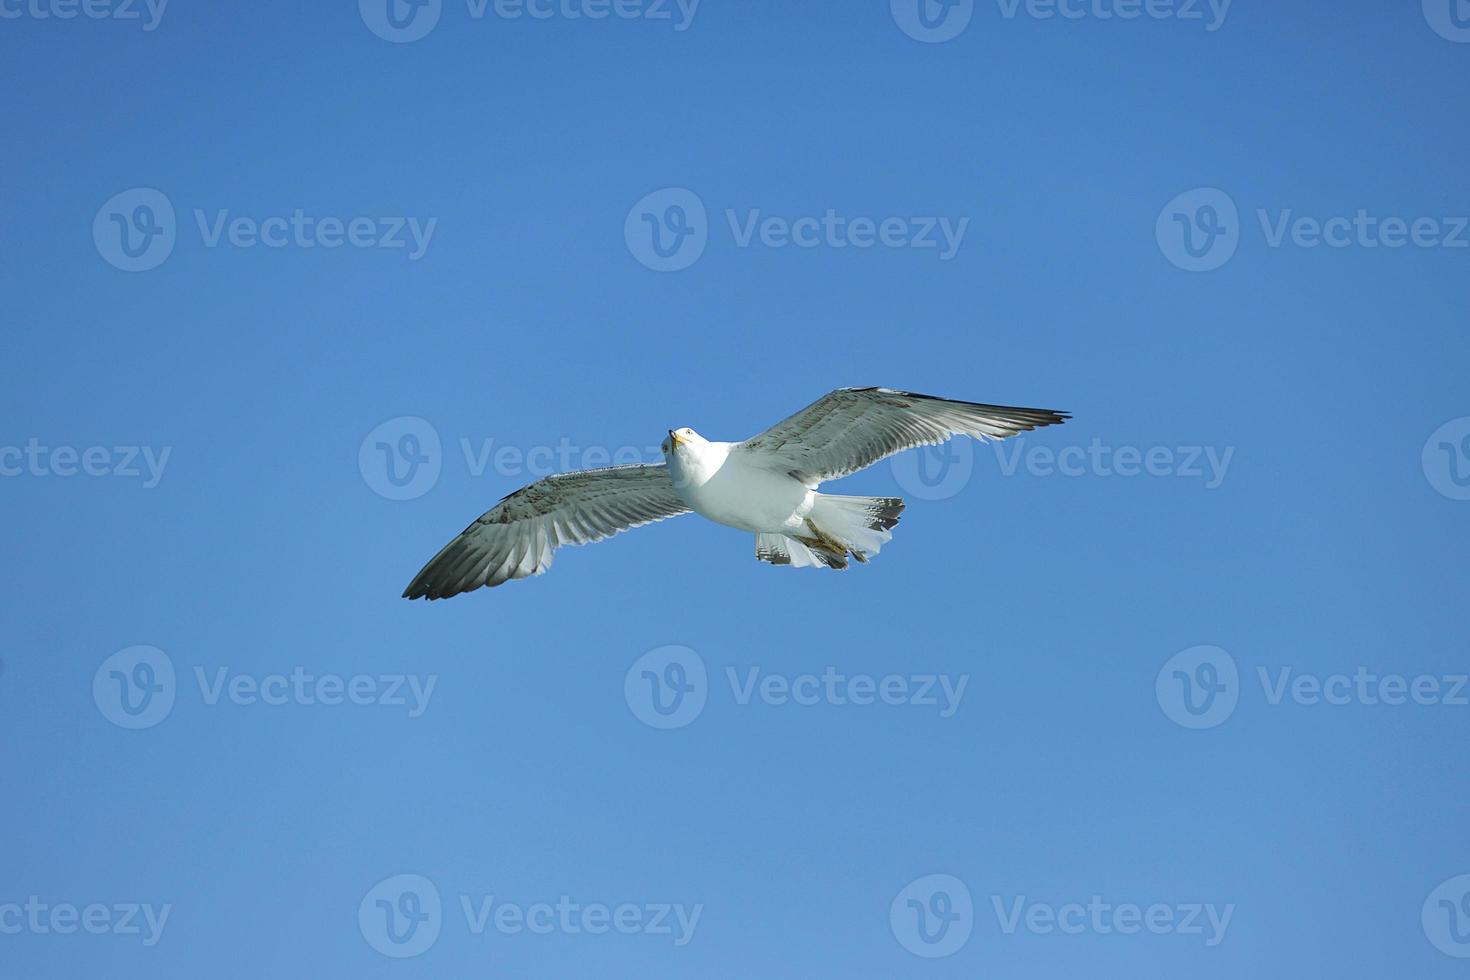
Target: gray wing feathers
{"type": "Point", "coordinates": [516, 537]}
{"type": "Point", "coordinates": [852, 428]}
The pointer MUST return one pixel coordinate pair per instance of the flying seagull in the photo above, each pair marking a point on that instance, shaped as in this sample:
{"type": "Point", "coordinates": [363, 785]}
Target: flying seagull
{"type": "Point", "coordinates": [766, 485]}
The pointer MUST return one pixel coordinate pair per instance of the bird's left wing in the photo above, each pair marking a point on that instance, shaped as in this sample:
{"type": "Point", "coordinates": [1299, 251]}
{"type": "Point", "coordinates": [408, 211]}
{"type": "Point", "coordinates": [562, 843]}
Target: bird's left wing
{"type": "Point", "coordinates": [517, 536]}
{"type": "Point", "coordinates": [842, 432]}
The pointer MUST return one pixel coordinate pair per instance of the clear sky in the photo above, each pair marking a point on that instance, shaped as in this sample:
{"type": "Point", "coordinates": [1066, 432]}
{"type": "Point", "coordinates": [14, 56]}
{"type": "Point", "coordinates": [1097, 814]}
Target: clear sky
{"type": "Point", "coordinates": [294, 291]}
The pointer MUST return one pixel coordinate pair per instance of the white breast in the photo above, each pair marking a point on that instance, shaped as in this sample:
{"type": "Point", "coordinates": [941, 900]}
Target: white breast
{"type": "Point", "coordinates": [729, 491]}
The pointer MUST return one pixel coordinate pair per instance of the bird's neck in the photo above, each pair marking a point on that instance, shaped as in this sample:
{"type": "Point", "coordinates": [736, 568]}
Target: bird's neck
{"type": "Point", "coordinates": [700, 461]}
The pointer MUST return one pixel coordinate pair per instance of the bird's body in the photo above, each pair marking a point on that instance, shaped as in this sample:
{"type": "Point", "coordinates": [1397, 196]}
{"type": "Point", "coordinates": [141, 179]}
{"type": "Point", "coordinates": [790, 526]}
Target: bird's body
{"type": "Point", "coordinates": [765, 485]}
{"type": "Point", "coordinates": [727, 488]}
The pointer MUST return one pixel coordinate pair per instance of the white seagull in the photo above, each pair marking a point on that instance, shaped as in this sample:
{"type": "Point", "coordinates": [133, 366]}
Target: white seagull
{"type": "Point", "coordinates": [766, 485]}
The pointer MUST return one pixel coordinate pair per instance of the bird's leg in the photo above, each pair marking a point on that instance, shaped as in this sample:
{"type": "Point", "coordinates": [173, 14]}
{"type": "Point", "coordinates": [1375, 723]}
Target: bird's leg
{"type": "Point", "coordinates": [825, 543]}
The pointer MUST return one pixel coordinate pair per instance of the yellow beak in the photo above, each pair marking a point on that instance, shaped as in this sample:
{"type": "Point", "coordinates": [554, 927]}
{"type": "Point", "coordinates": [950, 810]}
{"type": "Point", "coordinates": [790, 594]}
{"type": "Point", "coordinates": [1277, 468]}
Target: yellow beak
{"type": "Point", "coordinates": [674, 438]}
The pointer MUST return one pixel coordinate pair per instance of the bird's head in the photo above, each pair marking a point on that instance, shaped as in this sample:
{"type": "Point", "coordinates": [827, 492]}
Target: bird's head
{"type": "Point", "coordinates": [682, 440]}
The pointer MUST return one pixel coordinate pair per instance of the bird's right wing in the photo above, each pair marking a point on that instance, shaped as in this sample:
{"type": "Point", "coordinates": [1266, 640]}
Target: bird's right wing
{"type": "Point", "coordinates": [850, 428]}
{"type": "Point", "coordinates": [517, 536]}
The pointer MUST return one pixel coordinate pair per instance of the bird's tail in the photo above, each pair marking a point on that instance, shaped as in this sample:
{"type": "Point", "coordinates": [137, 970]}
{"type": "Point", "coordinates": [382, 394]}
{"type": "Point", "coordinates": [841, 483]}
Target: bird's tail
{"type": "Point", "coordinates": [836, 528]}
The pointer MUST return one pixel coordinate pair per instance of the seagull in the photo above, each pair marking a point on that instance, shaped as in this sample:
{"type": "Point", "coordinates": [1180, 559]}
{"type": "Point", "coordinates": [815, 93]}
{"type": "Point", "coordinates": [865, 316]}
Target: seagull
{"type": "Point", "coordinates": [766, 485]}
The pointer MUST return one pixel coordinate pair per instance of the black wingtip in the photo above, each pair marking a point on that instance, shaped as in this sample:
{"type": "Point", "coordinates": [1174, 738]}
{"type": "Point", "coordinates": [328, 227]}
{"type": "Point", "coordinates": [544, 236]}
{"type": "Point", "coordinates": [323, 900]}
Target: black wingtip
{"type": "Point", "coordinates": [1036, 416]}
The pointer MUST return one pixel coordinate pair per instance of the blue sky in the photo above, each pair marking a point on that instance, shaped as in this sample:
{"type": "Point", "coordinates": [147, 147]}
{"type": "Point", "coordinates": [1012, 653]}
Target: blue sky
{"type": "Point", "coordinates": [1131, 682]}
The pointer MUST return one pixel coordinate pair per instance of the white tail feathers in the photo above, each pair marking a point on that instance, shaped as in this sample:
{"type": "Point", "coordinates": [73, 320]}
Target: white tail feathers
{"type": "Point", "coordinates": [836, 528]}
